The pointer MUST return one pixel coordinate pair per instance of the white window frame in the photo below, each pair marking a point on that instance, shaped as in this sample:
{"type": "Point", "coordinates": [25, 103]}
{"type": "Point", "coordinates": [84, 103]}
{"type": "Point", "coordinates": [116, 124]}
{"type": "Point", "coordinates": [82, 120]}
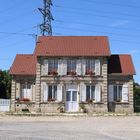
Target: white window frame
{"type": "Point", "coordinates": [71, 65]}
{"type": "Point", "coordinates": [90, 66]}
{"type": "Point", "coordinates": [54, 64]}
{"type": "Point", "coordinates": [26, 89]}
{"type": "Point", "coordinates": [54, 97]}
{"type": "Point", "coordinates": [119, 95]}
{"type": "Point", "coordinates": [90, 92]}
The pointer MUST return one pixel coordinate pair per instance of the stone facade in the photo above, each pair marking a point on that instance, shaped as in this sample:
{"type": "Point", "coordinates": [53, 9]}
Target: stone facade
{"type": "Point", "coordinates": [37, 103]}
{"type": "Point", "coordinates": [122, 106]}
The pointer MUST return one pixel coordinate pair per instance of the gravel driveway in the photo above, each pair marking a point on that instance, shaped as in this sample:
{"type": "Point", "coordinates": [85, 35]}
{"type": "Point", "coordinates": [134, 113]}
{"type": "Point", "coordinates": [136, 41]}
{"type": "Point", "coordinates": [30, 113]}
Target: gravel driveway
{"type": "Point", "coordinates": [69, 128]}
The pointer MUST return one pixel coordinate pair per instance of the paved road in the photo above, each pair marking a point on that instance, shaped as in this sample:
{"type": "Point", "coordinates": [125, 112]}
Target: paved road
{"type": "Point", "coordinates": [68, 128]}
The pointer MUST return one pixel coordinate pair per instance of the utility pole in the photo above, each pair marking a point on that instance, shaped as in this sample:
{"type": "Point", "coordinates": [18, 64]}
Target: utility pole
{"type": "Point", "coordinates": [46, 28]}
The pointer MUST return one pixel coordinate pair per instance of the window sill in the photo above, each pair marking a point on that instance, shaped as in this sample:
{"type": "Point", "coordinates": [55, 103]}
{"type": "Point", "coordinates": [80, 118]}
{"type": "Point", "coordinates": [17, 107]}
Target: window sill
{"type": "Point", "coordinates": [25, 102]}
{"type": "Point", "coordinates": [91, 103]}
{"type": "Point", "coordinates": [120, 102]}
{"type": "Point", "coordinates": [52, 102]}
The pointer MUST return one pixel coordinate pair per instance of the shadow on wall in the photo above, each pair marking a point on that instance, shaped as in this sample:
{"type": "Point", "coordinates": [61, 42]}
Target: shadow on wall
{"type": "Point", "coordinates": [111, 107]}
{"type": "Point", "coordinates": [114, 64]}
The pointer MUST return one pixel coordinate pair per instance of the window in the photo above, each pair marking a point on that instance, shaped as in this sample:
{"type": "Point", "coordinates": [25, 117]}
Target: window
{"type": "Point", "coordinates": [52, 93]}
{"type": "Point", "coordinates": [90, 66]}
{"type": "Point", "coordinates": [117, 93]}
{"type": "Point", "coordinates": [71, 66]}
{"type": "Point", "coordinates": [26, 91]}
{"type": "Point", "coordinates": [68, 97]}
{"type": "Point", "coordinates": [53, 66]}
{"type": "Point", "coordinates": [90, 92]}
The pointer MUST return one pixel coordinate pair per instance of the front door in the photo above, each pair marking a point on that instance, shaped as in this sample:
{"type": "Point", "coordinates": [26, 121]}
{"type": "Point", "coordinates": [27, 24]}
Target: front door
{"type": "Point", "coordinates": [72, 101]}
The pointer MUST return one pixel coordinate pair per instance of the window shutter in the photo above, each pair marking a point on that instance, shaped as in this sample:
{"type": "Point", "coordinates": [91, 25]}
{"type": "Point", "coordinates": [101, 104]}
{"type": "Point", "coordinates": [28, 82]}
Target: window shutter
{"type": "Point", "coordinates": [44, 90]}
{"type": "Point", "coordinates": [60, 67]}
{"type": "Point", "coordinates": [125, 93]}
{"type": "Point", "coordinates": [98, 93]}
{"type": "Point", "coordinates": [78, 67]}
{"type": "Point", "coordinates": [24, 91]}
{"type": "Point", "coordinates": [64, 67]}
{"type": "Point", "coordinates": [111, 94]}
{"type": "Point", "coordinates": [59, 92]}
{"type": "Point", "coordinates": [29, 92]}
{"type": "Point", "coordinates": [97, 67]}
{"type": "Point", "coordinates": [83, 67]}
{"type": "Point", "coordinates": [92, 64]}
{"type": "Point", "coordinates": [83, 92]}
{"type": "Point", "coordinates": [44, 68]}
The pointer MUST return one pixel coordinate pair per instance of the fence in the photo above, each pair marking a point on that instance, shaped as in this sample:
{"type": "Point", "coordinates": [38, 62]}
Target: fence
{"type": "Point", "coordinates": [4, 105]}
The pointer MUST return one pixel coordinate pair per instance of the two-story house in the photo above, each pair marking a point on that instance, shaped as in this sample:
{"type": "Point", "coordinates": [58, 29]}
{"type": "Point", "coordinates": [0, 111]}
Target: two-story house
{"type": "Point", "coordinates": [72, 74]}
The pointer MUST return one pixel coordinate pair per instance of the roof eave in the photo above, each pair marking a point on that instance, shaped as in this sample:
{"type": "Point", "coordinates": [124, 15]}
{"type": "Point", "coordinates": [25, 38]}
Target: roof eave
{"type": "Point", "coordinates": [121, 74]}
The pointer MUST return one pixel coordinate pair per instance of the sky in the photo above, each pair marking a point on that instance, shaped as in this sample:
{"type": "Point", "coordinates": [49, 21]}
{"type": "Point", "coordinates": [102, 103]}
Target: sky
{"type": "Point", "coordinates": [119, 20]}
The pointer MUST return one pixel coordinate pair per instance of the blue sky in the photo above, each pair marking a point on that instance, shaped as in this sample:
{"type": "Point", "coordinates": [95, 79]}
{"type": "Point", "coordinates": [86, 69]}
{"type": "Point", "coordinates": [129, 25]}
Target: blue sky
{"type": "Point", "coordinates": [117, 19]}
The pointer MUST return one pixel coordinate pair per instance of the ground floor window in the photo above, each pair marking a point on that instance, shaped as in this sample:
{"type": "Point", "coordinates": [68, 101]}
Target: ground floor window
{"type": "Point", "coordinates": [26, 91]}
{"type": "Point", "coordinates": [117, 93]}
{"type": "Point", "coordinates": [52, 93]}
{"type": "Point", "coordinates": [90, 92]}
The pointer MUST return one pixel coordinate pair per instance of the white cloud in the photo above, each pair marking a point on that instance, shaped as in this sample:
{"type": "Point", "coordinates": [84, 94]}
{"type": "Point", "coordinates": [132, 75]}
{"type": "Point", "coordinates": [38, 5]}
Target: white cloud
{"type": "Point", "coordinates": [119, 23]}
{"type": "Point", "coordinates": [132, 52]}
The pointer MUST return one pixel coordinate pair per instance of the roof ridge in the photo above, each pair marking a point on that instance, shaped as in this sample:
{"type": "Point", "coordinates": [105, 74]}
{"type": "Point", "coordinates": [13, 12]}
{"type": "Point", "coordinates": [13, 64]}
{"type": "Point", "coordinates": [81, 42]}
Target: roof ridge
{"type": "Point", "coordinates": [25, 55]}
{"type": "Point", "coordinates": [120, 54]}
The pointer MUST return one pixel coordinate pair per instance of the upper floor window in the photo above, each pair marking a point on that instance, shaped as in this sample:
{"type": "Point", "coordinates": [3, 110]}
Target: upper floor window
{"type": "Point", "coordinates": [52, 66]}
{"type": "Point", "coordinates": [90, 66]}
{"type": "Point", "coordinates": [71, 66]}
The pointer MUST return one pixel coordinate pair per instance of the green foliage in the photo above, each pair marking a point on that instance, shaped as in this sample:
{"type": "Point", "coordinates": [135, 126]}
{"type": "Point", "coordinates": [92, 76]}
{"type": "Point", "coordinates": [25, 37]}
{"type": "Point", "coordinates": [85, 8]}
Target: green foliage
{"type": "Point", "coordinates": [5, 84]}
{"type": "Point", "coordinates": [136, 97]}
{"type": "Point", "coordinates": [136, 90]}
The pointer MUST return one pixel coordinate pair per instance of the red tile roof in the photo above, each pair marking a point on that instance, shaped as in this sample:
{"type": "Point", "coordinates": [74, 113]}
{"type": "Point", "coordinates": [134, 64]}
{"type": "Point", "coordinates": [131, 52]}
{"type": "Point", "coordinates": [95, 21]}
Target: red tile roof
{"type": "Point", "coordinates": [121, 64]}
{"type": "Point", "coordinates": [72, 46]}
{"type": "Point", "coordinates": [24, 65]}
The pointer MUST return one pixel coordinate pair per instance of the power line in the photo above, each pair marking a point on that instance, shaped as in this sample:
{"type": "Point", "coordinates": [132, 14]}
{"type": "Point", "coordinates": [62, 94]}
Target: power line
{"type": "Point", "coordinates": [98, 25]}
{"type": "Point", "coordinates": [102, 32]}
{"type": "Point", "coordinates": [97, 15]}
{"type": "Point", "coordinates": [116, 40]}
{"type": "Point", "coordinates": [14, 33]}
{"type": "Point", "coordinates": [15, 5]}
{"type": "Point", "coordinates": [113, 4]}
{"type": "Point", "coordinates": [25, 14]}
{"type": "Point", "coordinates": [15, 43]}
{"type": "Point", "coordinates": [99, 11]}
{"type": "Point", "coordinates": [17, 32]}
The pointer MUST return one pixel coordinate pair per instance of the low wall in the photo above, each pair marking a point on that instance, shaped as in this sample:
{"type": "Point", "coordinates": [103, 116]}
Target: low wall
{"type": "Point", "coordinates": [121, 107]}
{"type": "Point", "coordinates": [93, 108]}
{"type": "Point", "coordinates": [52, 107]}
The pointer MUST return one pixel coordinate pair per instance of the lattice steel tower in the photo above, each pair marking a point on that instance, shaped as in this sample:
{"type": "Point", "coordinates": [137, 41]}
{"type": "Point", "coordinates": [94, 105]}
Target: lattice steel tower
{"type": "Point", "coordinates": [46, 28]}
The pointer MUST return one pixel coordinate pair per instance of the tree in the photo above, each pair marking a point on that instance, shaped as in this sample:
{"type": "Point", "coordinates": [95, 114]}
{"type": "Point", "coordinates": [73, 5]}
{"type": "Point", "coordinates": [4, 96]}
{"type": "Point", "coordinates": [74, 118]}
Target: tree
{"type": "Point", "coordinates": [136, 97]}
{"type": "Point", "coordinates": [5, 84]}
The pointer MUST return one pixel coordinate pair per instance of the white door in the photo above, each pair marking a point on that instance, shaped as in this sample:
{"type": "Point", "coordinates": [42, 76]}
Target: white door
{"type": "Point", "coordinates": [72, 101]}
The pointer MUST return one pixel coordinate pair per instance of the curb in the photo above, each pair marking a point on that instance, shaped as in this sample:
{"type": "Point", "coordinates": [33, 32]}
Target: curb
{"type": "Point", "coordinates": [69, 114]}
